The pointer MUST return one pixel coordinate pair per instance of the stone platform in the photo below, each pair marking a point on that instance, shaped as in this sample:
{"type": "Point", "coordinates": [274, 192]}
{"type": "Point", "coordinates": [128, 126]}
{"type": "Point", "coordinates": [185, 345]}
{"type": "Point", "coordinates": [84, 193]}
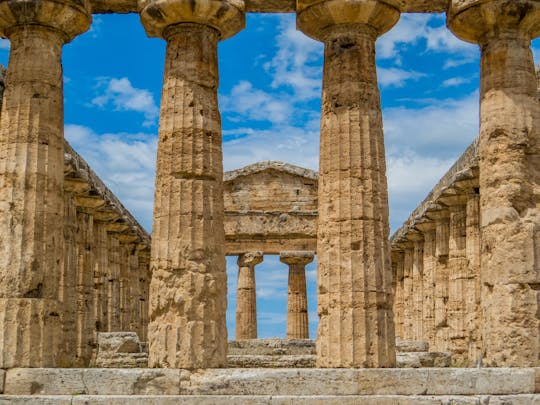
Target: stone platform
{"type": "Point", "coordinates": [271, 386]}
{"type": "Point", "coordinates": [301, 353]}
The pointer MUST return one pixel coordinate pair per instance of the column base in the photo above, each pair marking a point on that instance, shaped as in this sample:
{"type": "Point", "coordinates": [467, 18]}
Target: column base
{"type": "Point", "coordinates": [30, 333]}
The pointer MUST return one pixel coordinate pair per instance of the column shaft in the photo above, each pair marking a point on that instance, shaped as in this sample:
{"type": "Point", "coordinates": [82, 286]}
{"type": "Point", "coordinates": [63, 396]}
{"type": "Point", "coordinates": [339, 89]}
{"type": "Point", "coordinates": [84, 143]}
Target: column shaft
{"type": "Point", "coordinates": [418, 289]}
{"type": "Point", "coordinates": [188, 296]}
{"type": "Point", "coordinates": [457, 284]}
{"type": "Point", "coordinates": [408, 293]}
{"type": "Point", "coordinates": [509, 200]}
{"type": "Point", "coordinates": [398, 263]}
{"type": "Point", "coordinates": [429, 265]}
{"type": "Point", "coordinates": [297, 306]}
{"type": "Point", "coordinates": [31, 190]}
{"type": "Point", "coordinates": [442, 334]}
{"type": "Point", "coordinates": [354, 275]}
{"type": "Point", "coordinates": [473, 289]}
{"type": "Point", "coordinates": [246, 301]}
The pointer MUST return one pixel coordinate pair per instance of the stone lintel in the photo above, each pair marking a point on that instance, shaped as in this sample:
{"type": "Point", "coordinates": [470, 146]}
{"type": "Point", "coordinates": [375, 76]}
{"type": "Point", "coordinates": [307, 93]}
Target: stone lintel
{"type": "Point", "coordinates": [266, 6]}
{"type": "Point", "coordinates": [269, 246]}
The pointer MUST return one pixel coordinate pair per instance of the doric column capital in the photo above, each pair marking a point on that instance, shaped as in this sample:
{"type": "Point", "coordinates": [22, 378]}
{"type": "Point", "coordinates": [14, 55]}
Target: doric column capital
{"type": "Point", "coordinates": [69, 17]}
{"type": "Point", "coordinates": [296, 257]}
{"type": "Point", "coordinates": [250, 259]}
{"type": "Point", "coordinates": [226, 16]}
{"type": "Point", "coordinates": [477, 21]}
{"type": "Point", "coordinates": [319, 19]}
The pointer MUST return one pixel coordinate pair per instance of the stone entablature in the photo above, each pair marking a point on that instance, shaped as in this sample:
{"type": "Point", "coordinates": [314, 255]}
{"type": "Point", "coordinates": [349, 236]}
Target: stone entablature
{"type": "Point", "coordinates": [270, 207]}
{"type": "Point", "coordinates": [269, 6]}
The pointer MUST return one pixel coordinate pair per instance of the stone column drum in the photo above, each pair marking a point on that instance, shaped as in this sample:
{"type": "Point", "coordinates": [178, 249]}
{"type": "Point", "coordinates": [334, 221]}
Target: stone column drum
{"type": "Point", "coordinates": [356, 327]}
{"type": "Point", "coordinates": [246, 296]}
{"type": "Point", "coordinates": [31, 177]}
{"type": "Point", "coordinates": [188, 291]}
{"type": "Point", "coordinates": [509, 162]}
{"type": "Point", "coordinates": [297, 306]}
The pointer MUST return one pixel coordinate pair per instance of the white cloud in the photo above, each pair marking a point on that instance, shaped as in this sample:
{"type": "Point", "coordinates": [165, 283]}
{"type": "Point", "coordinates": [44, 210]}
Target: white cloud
{"type": "Point", "coordinates": [297, 62]}
{"type": "Point", "coordinates": [395, 77]}
{"type": "Point", "coordinates": [124, 97]}
{"type": "Point", "coordinates": [4, 44]}
{"type": "Point", "coordinates": [422, 144]}
{"type": "Point", "coordinates": [95, 28]}
{"type": "Point", "coordinates": [125, 162]}
{"type": "Point", "coordinates": [295, 145]}
{"type": "Point", "coordinates": [429, 30]}
{"type": "Point", "coordinates": [255, 104]}
{"type": "Point", "coordinates": [456, 81]}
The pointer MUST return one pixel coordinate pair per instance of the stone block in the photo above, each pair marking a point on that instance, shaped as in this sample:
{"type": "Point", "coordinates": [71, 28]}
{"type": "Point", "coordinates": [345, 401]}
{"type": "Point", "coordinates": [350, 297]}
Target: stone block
{"type": "Point", "coordinates": [51, 381]}
{"type": "Point", "coordinates": [277, 361]}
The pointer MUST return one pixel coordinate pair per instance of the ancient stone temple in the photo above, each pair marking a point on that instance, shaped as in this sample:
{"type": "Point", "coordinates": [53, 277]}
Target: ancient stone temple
{"type": "Point", "coordinates": [93, 310]}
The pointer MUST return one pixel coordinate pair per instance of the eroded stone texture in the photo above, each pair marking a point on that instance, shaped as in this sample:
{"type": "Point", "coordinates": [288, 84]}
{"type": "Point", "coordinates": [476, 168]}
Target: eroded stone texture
{"type": "Point", "coordinates": [31, 178]}
{"type": "Point", "coordinates": [246, 298]}
{"type": "Point", "coordinates": [297, 306]}
{"type": "Point", "coordinates": [354, 274]}
{"type": "Point", "coordinates": [509, 154]}
{"type": "Point", "coordinates": [188, 291]}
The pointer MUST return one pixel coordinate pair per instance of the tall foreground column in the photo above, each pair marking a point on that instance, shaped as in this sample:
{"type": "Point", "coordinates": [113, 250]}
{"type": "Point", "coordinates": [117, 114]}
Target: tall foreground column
{"type": "Point", "coordinates": [188, 291]}
{"type": "Point", "coordinates": [31, 177]}
{"type": "Point", "coordinates": [356, 326]}
{"type": "Point", "coordinates": [246, 296]}
{"type": "Point", "coordinates": [509, 149]}
{"type": "Point", "coordinates": [297, 306]}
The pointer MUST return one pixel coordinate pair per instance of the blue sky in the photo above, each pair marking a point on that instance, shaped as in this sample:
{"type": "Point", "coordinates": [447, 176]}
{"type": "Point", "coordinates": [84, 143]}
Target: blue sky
{"type": "Point", "coordinates": [270, 101]}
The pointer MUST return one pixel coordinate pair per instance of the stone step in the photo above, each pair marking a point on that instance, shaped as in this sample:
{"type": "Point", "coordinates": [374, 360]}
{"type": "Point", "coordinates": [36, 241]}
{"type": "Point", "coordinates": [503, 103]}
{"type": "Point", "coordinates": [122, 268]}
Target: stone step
{"type": "Point", "coordinates": [272, 361]}
{"type": "Point", "coordinates": [274, 346]}
{"type": "Point", "coordinates": [273, 400]}
{"type": "Point", "coordinates": [404, 360]}
{"type": "Point", "coordinates": [264, 381]}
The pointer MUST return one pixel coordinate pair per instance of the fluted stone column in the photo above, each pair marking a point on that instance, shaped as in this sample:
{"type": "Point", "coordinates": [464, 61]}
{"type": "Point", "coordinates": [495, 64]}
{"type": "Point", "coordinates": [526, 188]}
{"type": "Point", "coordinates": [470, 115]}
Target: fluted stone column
{"type": "Point", "coordinates": [398, 261]}
{"type": "Point", "coordinates": [442, 234]}
{"type": "Point", "coordinates": [509, 161]}
{"type": "Point", "coordinates": [417, 311]}
{"type": "Point", "coordinates": [31, 177]}
{"type": "Point", "coordinates": [354, 271]}
{"type": "Point", "coordinates": [101, 280]}
{"type": "Point", "coordinates": [113, 282]}
{"type": "Point", "coordinates": [458, 274]}
{"type": "Point", "coordinates": [144, 281]}
{"type": "Point", "coordinates": [246, 296]}
{"type": "Point", "coordinates": [473, 320]}
{"type": "Point", "coordinates": [408, 261]}
{"type": "Point", "coordinates": [297, 306]}
{"type": "Point", "coordinates": [428, 280]}
{"type": "Point", "coordinates": [188, 291]}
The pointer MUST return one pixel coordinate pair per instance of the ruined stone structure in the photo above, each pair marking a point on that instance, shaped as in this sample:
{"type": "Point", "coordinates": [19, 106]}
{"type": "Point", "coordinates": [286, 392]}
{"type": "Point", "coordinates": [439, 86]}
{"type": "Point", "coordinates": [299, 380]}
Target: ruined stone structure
{"type": "Point", "coordinates": [464, 276]}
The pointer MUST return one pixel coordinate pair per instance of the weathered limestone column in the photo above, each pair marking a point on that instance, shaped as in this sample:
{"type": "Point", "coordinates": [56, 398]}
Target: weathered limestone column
{"type": "Point", "coordinates": [297, 306]}
{"type": "Point", "coordinates": [86, 322]}
{"type": "Point", "coordinates": [457, 279]}
{"type": "Point", "coordinates": [101, 280]}
{"type": "Point", "coordinates": [246, 297]}
{"type": "Point", "coordinates": [397, 269]}
{"type": "Point", "coordinates": [428, 281]}
{"type": "Point", "coordinates": [31, 177]}
{"type": "Point", "coordinates": [113, 282]}
{"type": "Point", "coordinates": [473, 320]}
{"type": "Point", "coordinates": [442, 234]}
{"type": "Point", "coordinates": [509, 161]}
{"type": "Point", "coordinates": [144, 281]}
{"type": "Point", "coordinates": [188, 291]}
{"type": "Point", "coordinates": [417, 311]}
{"type": "Point", "coordinates": [408, 260]}
{"type": "Point", "coordinates": [356, 327]}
